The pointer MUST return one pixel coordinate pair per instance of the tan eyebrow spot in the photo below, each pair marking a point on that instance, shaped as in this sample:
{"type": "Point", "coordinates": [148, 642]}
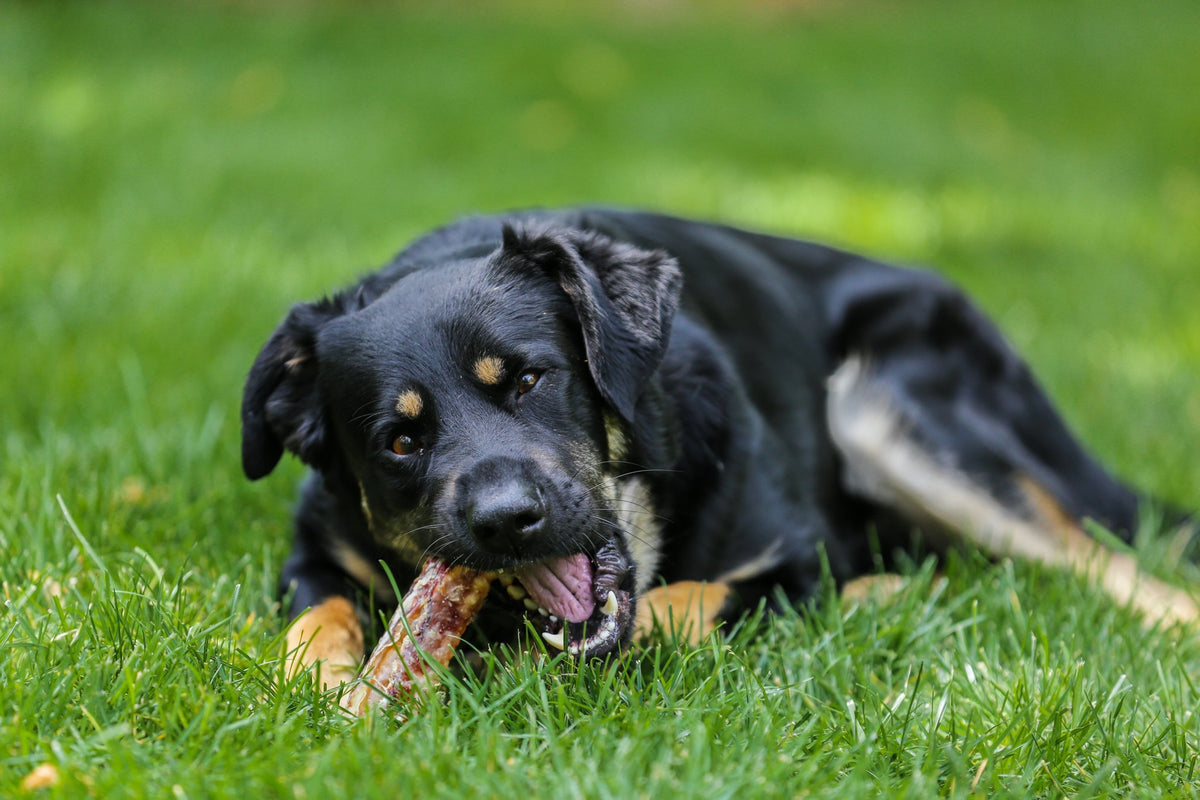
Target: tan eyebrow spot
{"type": "Point", "coordinates": [489, 370]}
{"type": "Point", "coordinates": [409, 404]}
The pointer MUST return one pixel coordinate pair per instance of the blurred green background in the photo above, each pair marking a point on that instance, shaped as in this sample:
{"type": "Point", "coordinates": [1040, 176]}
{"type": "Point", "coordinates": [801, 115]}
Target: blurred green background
{"type": "Point", "coordinates": [176, 175]}
{"type": "Point", "coordinates": [173, 176]}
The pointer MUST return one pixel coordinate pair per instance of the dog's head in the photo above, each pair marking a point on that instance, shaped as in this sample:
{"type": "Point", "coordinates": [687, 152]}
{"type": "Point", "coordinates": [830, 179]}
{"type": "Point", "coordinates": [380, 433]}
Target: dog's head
{"type": "Point", "coordinates": [480, 410]}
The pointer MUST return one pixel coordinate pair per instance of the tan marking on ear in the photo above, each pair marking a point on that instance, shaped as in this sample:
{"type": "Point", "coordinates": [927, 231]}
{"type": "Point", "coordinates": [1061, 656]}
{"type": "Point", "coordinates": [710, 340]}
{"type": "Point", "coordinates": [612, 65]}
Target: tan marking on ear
{"type": "Point", "coordinates": [687, 610]}
{"type": "Point", "coordinates": [328, 636]}
{"type": "Point", "coordinates": [409, 404]}
{"type": "Point", "coordinates": [489, 370]}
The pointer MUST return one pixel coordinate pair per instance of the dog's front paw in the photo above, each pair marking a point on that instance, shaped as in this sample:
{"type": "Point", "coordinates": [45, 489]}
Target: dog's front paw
{"type": "Point", "coordinates": [687, 610]}
{"type": "Point", "coordinates": [327, 639]}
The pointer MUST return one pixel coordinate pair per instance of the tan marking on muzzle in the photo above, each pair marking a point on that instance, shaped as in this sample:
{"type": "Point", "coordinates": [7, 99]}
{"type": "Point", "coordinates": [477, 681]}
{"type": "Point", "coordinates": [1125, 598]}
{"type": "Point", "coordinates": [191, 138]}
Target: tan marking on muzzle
{"type": "Point", "coordinates": [618, 444]}
{"type": "Point", "coordinates": [366, 506]}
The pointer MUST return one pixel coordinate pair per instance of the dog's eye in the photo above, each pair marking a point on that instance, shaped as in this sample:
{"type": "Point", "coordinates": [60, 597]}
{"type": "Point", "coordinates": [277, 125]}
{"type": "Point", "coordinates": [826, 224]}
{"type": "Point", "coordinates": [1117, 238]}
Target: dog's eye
{"type": "Point", "coordinates": [404, 445]}
{"type": "Point", "coordinates": [527, 381]}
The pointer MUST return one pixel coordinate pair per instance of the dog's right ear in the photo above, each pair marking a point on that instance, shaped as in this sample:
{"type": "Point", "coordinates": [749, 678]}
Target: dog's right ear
{"type": "Point", "coordinates": [281, 406]}
{"type": "Point", "coordinates": [625, 298]}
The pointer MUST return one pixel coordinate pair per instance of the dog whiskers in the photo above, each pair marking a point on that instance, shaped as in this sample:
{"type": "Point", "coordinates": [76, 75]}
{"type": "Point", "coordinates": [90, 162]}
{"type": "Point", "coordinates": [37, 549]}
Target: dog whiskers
{"type": "Point", "coordinates": [636, 534]}
{"type": "Point", "coordinates": [628, 474]}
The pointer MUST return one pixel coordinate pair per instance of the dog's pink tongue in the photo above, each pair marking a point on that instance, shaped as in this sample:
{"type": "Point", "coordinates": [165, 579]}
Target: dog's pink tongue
{"type": "Point", "coordinates": [562, 586]}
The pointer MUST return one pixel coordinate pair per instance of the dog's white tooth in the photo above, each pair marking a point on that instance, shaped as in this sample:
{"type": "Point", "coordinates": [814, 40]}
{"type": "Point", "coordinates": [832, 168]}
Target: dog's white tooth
{"type": "Point", "coordinates": [543, 612]}
{"type": "Point", "coordinates": [553, 618]}
{"type": "Point", "coordinates": [515, 592]}
{"type": "Point", "coordinates": [530, 604]}
{"type": "Point", "coordinates": [610, 605]}
{"type": "Point", "coordinates": [554, 639]}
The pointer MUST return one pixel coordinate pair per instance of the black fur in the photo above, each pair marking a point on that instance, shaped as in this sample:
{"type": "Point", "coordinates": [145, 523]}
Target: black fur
{"type": "Point", "coordinates": [692, 356]}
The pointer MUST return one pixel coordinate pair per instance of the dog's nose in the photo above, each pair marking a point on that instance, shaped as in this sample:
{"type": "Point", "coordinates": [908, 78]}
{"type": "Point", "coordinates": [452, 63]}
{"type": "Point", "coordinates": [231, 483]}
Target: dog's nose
{"type": "Point", "coordinates": [502, 517]}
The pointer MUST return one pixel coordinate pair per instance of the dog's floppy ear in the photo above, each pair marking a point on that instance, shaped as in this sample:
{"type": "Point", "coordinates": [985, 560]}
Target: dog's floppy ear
{"type": "Point", "coordinates": [625, 297]}
{"type": "Point", "coordinates": [281, 405]}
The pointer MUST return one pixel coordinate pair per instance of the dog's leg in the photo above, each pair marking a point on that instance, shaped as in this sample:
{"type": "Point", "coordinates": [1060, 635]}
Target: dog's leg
{"type": "Point", "coordinates": [889, 459]}
{"type": "Point", "coordinates": [332, 579]}
{"type": "Point", "coordinates": [689, 610]}
{"type": "Point", "coordinates": [963, 393]}
{"type": "Point", "coordinates": [876, 588]}
{"type": "Point", "coordinates": [327, 638]}
{"type": "Point", "coordinates": [326, 631]}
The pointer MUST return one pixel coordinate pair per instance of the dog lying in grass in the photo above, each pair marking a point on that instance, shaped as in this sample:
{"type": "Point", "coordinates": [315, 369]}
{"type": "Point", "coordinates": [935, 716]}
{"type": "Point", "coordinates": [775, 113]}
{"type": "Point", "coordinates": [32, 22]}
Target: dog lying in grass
{"type": "Point", "coordinates": [626, 415]}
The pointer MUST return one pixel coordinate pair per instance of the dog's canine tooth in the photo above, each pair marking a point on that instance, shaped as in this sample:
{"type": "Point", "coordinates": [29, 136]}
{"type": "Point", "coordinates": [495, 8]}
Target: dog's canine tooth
{"type": "Point", "coordinates": [554, 639]}
{"type": "Point", "coordinates": [543, 611]}
{"type": "Point", "coordinates": [506, 579]}
{"type": "Point", "coordinates": [529, 603]}
{"type": "Point", "coordinates": [610, 604]}
{"type": "Point", "coordinates": [515, 592]}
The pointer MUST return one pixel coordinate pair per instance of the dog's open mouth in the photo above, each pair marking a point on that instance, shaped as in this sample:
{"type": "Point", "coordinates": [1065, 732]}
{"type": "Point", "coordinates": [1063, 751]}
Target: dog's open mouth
{"type": "Point", "coordinates": [579, 603]}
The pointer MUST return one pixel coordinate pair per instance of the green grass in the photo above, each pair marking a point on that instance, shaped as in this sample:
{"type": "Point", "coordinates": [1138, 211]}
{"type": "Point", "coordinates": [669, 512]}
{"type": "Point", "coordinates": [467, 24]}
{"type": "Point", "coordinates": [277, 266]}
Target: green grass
{"type": "Point", "coordinates": [171, 179]}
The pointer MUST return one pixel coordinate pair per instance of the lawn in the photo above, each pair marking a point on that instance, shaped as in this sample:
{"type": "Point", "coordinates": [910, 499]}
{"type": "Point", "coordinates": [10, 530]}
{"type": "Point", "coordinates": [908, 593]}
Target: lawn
{"type": "Point", "coordinates": [172, 178]}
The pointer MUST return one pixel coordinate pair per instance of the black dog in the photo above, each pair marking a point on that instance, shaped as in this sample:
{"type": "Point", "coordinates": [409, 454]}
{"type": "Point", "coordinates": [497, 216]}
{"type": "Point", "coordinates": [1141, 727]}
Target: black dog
{"type": "Point", "coordinates": [603, 404]}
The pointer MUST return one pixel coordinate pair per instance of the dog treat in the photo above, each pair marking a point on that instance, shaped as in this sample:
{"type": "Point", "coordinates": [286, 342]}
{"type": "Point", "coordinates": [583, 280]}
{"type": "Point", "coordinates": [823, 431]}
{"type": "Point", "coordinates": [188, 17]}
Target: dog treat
{"type": "Point", "coordinates": [429, 623]}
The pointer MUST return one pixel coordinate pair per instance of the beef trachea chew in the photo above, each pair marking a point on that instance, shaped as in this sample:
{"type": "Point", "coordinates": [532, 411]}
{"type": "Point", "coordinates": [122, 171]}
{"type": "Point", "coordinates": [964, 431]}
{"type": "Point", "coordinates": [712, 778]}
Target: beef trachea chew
{"type": "Point", "coordinates": [433, 616]}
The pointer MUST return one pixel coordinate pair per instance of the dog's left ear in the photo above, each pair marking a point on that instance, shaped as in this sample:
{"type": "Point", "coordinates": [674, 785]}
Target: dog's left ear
{"type": "Point", "coordinates": [282, 405]}
{"type": "Point", "coordinates": [625, 297]}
